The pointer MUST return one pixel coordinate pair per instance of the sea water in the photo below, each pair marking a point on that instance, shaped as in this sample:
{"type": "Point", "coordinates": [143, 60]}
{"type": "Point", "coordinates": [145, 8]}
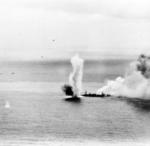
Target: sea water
{"type": "Point", "coordinates": [39, 115]}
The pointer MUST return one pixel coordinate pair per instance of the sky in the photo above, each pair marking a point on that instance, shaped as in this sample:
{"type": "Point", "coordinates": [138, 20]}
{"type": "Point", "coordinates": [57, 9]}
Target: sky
{"type": "Point", "coordinates": [56, 29]}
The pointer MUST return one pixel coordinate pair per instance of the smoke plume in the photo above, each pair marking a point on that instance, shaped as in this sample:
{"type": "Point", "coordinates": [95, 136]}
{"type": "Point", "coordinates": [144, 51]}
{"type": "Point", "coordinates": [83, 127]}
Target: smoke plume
{"type": "Point", "coordinates": [135, 83]}
{"type": "Point", "coordinates": [75, 78]}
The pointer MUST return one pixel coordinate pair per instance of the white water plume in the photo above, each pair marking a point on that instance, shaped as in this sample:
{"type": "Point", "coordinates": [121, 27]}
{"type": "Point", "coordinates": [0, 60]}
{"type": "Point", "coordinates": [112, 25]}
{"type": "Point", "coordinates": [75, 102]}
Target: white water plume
{"type": "Point", "coordinates": [7, 105]}
{"type": "Point", "coordinates": [75, 78]}
{"type": "Point", "coordinates": [135, 83]}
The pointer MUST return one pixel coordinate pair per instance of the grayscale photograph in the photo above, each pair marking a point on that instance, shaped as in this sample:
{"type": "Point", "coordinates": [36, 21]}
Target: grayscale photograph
{"type": "Point", "coordinates": [74, 72]}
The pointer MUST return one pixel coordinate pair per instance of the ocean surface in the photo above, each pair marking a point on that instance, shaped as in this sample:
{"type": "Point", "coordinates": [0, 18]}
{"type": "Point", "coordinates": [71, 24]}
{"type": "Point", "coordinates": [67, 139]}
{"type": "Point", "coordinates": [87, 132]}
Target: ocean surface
{"type": "Point", "coordinates": [33, 110]}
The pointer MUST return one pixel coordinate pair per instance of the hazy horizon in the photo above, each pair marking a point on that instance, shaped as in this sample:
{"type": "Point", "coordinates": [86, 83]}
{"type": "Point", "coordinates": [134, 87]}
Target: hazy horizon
{"type": "Point", "coordinates": [67, 58]}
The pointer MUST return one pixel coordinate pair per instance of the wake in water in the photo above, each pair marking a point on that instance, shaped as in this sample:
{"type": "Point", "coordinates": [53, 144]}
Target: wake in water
{"type": "Point", "coordinates": [135, 83]}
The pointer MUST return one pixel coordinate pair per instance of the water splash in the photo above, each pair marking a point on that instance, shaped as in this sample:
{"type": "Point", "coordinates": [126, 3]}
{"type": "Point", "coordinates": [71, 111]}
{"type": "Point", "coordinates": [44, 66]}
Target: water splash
{"type": "Point", "coordinates": [75, 78]}
{"type": "Point", "coordinates": [7, 104]}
